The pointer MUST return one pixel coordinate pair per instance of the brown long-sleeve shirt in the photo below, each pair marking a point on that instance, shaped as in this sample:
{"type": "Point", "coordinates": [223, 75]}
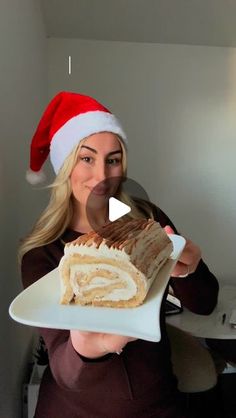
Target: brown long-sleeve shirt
{"type": "Point", "coordinates": [139, 382]}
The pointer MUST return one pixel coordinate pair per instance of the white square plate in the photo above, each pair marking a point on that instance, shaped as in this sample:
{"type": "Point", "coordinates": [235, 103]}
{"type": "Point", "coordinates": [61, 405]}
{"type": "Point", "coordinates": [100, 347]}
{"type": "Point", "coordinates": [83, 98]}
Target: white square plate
{"type": "Point", "coordinates": [39, 306]}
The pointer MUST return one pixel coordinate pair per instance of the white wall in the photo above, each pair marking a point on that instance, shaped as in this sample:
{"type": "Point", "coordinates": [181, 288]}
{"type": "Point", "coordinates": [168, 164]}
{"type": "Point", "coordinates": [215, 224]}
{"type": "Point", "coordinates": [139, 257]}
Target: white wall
{"type": "Point", "coordinates": [23, 84]}
{"type": "Point", "coordinates": [178, 105]}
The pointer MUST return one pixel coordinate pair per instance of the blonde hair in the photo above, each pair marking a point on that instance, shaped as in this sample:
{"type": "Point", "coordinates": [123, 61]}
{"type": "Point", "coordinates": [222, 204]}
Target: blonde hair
{"type": "Point", "coordinates": [58, 214]}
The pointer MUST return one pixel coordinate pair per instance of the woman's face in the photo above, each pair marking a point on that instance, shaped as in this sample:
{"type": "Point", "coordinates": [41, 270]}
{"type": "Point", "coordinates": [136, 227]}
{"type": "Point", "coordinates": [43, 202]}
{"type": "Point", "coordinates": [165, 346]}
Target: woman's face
{"type": "Point", "coordinates": [99, 159]}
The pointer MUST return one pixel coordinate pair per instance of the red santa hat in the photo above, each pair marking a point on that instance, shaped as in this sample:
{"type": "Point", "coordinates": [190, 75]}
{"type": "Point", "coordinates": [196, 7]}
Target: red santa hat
{"type": "Point", "coordinates": [69, 118]}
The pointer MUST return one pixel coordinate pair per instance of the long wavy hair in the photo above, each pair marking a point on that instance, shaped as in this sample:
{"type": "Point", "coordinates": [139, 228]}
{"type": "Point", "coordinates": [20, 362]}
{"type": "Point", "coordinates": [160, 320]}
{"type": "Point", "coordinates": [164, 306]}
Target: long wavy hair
{"type": "Point", "coordinates": [58, 214]}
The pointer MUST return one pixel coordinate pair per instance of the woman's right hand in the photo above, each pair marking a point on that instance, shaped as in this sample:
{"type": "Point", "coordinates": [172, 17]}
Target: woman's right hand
{"type": "Point", "coordinates": [96, 344]}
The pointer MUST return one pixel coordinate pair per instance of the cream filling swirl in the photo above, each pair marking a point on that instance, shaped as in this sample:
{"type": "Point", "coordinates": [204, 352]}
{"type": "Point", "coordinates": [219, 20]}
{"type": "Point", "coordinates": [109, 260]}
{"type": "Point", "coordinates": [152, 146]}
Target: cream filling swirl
{"type": "Point", "coordinates": [84, 279]}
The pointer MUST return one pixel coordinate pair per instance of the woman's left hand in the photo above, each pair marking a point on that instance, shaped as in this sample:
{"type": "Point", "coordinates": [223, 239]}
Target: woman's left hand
{"type": "Point", "coordinates": [96, 344]}
{"type": "Point", "coordinates": [189, 258]}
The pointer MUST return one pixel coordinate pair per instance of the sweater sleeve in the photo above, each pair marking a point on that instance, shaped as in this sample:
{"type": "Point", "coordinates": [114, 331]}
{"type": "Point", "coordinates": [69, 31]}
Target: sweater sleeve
{"type": "Point", "coordinates": [69, 369]}
{"type": "Point", "coordinates": [198, 291]}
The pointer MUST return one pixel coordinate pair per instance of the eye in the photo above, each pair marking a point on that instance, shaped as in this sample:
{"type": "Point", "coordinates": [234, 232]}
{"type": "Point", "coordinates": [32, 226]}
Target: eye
{"type": "Point", "coordinates": [113, 161]}
{"type": "Point", "coordinates": [86, 159]}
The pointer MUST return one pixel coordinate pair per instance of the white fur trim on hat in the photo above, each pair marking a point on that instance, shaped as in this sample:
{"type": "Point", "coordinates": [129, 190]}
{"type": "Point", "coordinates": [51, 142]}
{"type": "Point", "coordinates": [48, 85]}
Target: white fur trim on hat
{"type": "Point", "coordinates": [34, 177]}
{"type": "Point", "coordinates": [78, 128]}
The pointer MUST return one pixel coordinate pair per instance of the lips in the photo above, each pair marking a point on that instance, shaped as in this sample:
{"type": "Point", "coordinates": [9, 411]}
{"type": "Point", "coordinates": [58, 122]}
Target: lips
{"type": "Point", "coordinates": [100, 191]}
{"type": "Point", "coordinates": [105, 188]}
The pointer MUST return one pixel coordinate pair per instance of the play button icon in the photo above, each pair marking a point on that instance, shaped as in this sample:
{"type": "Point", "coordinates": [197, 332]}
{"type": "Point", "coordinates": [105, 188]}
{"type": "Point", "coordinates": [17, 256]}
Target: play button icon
{"type": "Point", "coordinates": [117, 209]}
{"type": "Point", "coordinates": [112, 199]}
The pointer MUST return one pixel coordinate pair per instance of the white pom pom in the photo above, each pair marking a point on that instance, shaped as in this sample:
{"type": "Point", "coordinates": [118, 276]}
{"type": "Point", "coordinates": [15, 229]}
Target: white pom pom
{"type": "Point", "coordinates": [35, 177]}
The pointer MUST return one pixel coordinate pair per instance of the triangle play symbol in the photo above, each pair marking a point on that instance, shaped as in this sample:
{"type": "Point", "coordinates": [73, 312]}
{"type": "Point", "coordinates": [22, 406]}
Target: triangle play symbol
{"type": "Point", "coordinates": [117, 209]}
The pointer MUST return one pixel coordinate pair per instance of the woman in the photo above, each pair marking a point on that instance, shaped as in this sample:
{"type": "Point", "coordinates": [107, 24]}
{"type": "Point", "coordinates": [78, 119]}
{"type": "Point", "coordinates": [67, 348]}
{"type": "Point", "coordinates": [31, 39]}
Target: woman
{"type": "Point", "coordinates": [95, 375]}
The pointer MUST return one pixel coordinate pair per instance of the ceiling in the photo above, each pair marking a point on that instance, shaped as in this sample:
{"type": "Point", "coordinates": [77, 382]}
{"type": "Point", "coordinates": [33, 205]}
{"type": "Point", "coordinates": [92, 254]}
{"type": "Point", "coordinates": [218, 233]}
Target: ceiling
{"type": "Point", "coordinates": [193, 22]}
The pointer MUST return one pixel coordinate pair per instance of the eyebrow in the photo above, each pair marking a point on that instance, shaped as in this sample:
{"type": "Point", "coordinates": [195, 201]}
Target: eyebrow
{"type": "Point", "coordinates": [95, 151]}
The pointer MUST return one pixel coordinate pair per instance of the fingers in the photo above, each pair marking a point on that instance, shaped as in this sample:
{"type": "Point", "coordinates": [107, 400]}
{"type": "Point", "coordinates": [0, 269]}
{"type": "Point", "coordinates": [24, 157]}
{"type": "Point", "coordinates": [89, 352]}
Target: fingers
{"type": "Point", "coordinates": [86, 333]}
{"type": "Point", "coordinates": [95, 344]}
{"type": "Point", "coordinates": [180, 270]}
{"type": "Point", "coordinates": [191, 254]}
{"type": "Point", "coordinates": [188, 260]}
{"type": "Point", "coordinates": [116, 343]}
{"type": "Point", "coordinates": [189, 257]}
{"type": "Point", "coordinates": [169, 230]}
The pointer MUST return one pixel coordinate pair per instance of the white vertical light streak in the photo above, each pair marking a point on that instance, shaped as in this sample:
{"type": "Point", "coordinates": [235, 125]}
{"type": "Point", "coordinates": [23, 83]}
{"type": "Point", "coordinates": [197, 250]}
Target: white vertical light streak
{"type": "Point", "coordinates": [69, 64]}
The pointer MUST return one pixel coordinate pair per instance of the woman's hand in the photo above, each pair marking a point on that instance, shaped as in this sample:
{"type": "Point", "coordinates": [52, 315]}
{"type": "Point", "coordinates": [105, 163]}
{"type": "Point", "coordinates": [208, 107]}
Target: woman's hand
{"type": "Point", "coordinates": [189, 258]}
{"type": "Point", "coordinates": [96, 344]}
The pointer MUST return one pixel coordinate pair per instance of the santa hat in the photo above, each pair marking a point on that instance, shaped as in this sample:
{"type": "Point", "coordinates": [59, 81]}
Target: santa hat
{"type": "Point", "coordinates": [69, 118]}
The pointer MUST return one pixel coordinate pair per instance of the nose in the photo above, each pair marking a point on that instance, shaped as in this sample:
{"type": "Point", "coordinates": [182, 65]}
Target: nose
{"type": "Point", "coordinates": [100, 172]}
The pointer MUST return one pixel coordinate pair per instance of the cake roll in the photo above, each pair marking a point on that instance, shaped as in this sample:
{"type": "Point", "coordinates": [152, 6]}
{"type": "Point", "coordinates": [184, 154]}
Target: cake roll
{"type": "Point", "coordinates": [116, 266]}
